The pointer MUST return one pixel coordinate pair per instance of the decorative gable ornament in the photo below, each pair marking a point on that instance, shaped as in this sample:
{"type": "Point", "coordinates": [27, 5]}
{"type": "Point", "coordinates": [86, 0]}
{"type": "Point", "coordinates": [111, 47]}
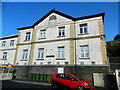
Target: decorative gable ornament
{"type": "Point", "coordinates": [53, 17]}
{"type": "Point", "coordinates": [52, 21]}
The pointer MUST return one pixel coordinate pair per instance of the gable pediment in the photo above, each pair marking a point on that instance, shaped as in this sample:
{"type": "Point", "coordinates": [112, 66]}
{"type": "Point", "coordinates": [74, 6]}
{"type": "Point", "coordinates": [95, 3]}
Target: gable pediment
{"type": "Point", "coordinates": [53, 19]}
{"type": "Point", "coordinates": [57, 17]}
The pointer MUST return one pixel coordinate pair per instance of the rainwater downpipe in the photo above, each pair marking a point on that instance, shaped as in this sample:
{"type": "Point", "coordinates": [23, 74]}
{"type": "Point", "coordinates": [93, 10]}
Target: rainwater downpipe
{"type": "Point", "coordinates": [75, 47]}
{"type": "Point", "coordinates": [30, 54]}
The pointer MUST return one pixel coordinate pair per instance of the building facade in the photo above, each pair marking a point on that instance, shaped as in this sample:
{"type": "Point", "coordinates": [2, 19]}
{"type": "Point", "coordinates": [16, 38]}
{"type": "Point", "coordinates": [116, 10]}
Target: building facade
{"type": "Point", "coordinates": [60, 40]}
{"type": "Point", "coordinates": [8, 49]}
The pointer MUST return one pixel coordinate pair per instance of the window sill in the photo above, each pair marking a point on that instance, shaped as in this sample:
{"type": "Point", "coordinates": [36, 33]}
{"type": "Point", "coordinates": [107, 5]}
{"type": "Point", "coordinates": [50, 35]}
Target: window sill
{"type": "Point", "coordinates": [23, 60]}
{"type": "Point", "coordinates": [84, 58]}
{"type": "Point", "coordinates": [26, 40]}
{"type": "Point", "coordinates": [60, 58]}
{"type": "Point", "coordinates": [61, 36]}
{"type": "Point", "coordinates": [4, 59]}
{"type": "Point", "coordinates": [11, 46]}
{"type": "Point", "coordinates": [41, 38]}
{"type": "Point", "coordinates": [39, 59]}
{"type": "Point", "coordinates": [83, 34]}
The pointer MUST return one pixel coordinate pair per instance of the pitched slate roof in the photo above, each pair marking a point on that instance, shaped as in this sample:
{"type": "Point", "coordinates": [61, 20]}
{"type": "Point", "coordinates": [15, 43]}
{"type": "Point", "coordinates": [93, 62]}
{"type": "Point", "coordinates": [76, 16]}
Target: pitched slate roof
{"type": "Point", "coordinates": [62, 14]}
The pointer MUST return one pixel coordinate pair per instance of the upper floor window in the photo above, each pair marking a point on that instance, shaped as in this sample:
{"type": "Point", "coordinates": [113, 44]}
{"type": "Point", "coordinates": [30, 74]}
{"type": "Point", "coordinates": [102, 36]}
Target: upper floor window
{"type": "Point", "coordinates": [27, 36]}
{"type": "Point", "coordinates": [4, 55]}
{"type": "Point", "coordinates": [25, 54]}
{"type": "Point", "coordinates": [84, 51]}
{"type": "Point", "coordinates": [42, 34]}
{"type": "Point", "coordinates": [41, 53]}
{"type": "Point", "coordinates": [3, 43]}
{"type": "Point", "coordinates": [61, 52]}
{"type": "Point", "coordinates": [12, 42]}
{"type": "Point", "coordinates": [83, 28]}
{"type": "Point", "coordinates": [61, 31]}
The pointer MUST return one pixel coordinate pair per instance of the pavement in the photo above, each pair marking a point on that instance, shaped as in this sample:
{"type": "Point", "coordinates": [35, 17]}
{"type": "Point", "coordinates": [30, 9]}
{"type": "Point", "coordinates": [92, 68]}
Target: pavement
{"type": "Point", "coordinates": [32, 82]}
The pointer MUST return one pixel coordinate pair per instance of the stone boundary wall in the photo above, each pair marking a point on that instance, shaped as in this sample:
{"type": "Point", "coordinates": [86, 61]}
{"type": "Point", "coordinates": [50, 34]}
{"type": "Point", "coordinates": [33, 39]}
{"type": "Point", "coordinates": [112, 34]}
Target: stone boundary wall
{"type": "Point", "coordinates": [82, 72]}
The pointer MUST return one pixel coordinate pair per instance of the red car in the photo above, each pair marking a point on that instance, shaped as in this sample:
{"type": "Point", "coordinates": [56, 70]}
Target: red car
{"type": "Point", "coordinates": [69, 81]}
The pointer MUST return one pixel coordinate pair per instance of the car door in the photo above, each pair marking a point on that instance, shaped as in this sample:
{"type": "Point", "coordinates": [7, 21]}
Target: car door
{"type": "Point", "coordinates": [70, 81]}
{"type": "Point", "coordinates": [61, 80]}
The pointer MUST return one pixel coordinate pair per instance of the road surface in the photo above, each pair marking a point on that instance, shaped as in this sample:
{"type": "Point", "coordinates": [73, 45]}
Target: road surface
{"type": "Point", "coordinates": [21, 85]}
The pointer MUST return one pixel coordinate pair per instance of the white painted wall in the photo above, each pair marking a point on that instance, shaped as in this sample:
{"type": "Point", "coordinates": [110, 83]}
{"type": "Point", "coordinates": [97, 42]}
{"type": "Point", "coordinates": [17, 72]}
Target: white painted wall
{"type": "Point", "coordinates": [51, 49]}
{"type": "Point", "coordinates": [8, 43]}
{"type": "Point", "coordinates": [23, 35]}
{"type": "Point", "coordinates": [9, 49]}
{"type": "Point", "coordinates": [94, 51]}
{"type": "Point", "coordinates": [93, 27]}
{"type": "Point", "coordinates": [20, 53]}
{"type": "Point", "coordinates": [52, 27]}
{"type": "Point", "coordinates": [10, 57]}
{"type": "Point", "coordinates": [52, 32]}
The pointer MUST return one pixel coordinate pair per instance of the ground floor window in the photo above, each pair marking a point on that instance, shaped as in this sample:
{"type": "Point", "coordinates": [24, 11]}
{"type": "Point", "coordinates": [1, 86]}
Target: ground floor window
{"type": "Point", "coordinates": [25, 54]}
{"type": "Point", "coordinates": [41, 53]}
{"type": "Point", "coordinates": [4, 55]}
{"type": "Point", "coordinates": [61, 52]}
{"type": "Point", "coordinates": [84, 51]}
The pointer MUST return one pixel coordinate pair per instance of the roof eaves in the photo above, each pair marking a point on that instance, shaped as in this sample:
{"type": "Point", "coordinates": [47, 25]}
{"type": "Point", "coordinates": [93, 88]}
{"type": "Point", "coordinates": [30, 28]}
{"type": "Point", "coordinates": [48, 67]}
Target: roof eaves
{"type": "Point", "coordinates": [91, 16]}
{"type": "Point", "coordinates": [7, 37]}
{"type": "Point", "coordinates": [29, 27]}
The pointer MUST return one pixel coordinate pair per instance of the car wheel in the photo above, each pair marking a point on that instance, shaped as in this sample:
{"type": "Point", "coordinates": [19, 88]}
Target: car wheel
{"type": "Point", "coordinates": [80, 88]}
{"type": "Point", "coordinates": [54, 86]}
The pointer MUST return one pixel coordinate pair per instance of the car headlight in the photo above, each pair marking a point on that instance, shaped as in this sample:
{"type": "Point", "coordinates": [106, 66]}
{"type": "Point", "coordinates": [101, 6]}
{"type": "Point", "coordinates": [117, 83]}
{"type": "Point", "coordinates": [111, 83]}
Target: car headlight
{"type": "Point", "coordinates": [86, 84]}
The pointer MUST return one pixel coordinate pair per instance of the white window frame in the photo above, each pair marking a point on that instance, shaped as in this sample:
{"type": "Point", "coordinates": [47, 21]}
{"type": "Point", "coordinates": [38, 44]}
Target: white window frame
{"type": "Point", "coordinates": [61, 31]}
{"type": "Point", "coordinates": [4, 55]}
{"type": "Point", "coordinates": [83, 29]}
{"type": "Point", "coordinates": [84, 51]}
{"type": "Point", "coordinates": [61, 52]}
{"type": "Point", "coordinates": [40, 53]}
{"type": "Point", "coordinates": [12, 42]}
{"type": "Point", "coordinates": [28, 34]}
{"type": "Point", "coordinates": [42, 34]}
{"type": "Point", "coordinates": [3, 43]}
{"type": "Point", "coordinates": [25, 54]}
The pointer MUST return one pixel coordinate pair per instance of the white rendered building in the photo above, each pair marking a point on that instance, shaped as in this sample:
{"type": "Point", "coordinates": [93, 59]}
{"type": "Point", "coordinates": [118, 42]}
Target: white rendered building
{"type": "Point", "coordinates": [59, 39]}
{"type": "Point", "coordinates": [8, 49]}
